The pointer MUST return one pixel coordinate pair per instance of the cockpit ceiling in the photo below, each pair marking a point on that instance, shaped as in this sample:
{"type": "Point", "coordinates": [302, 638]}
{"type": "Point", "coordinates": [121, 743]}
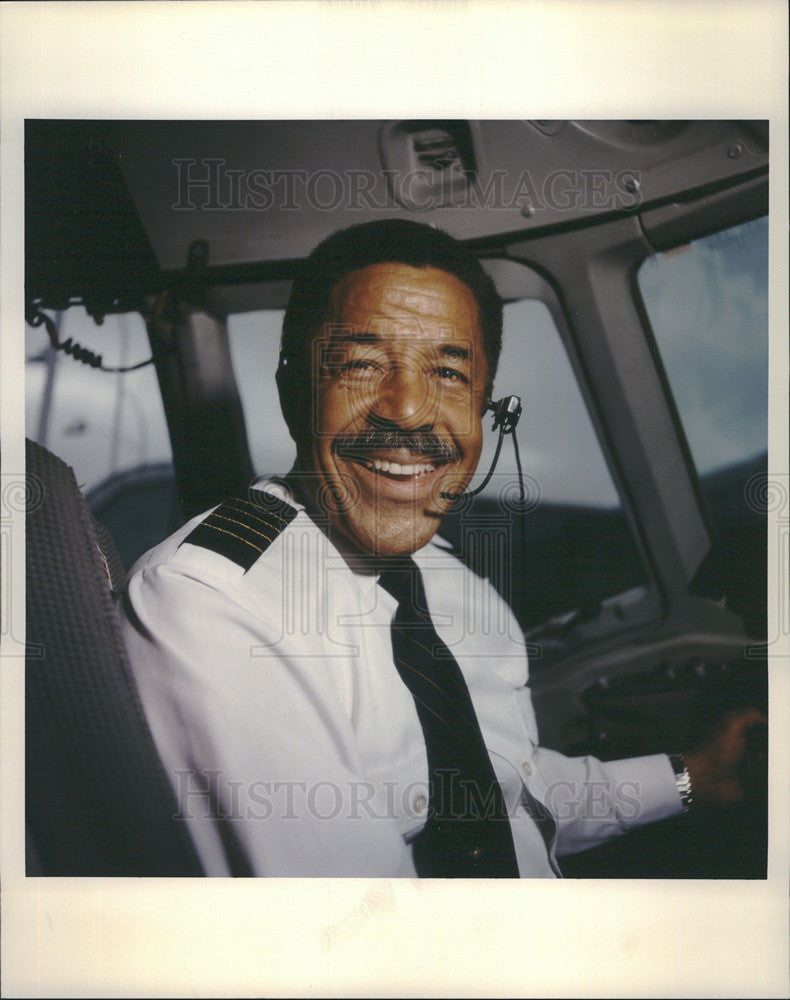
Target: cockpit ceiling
{"type": "Point", "coordinates": [112, 206]}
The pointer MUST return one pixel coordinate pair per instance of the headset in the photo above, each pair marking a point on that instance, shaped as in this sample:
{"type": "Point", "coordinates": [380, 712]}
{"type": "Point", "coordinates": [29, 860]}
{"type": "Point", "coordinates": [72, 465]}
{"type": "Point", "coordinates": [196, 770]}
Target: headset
{"type": "Point", "coordinates": [507, 412]}
{"type": "Point", "coordinates": [506, 415]}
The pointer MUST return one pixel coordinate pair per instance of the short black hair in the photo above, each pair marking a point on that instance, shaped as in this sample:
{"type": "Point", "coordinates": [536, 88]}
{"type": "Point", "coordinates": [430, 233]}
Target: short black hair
{"type": "Point", "coordinates": [395, 241]}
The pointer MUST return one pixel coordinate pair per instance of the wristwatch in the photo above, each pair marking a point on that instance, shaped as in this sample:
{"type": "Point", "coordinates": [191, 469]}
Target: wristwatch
{"type": "Point", "coordinates": [682, 780]}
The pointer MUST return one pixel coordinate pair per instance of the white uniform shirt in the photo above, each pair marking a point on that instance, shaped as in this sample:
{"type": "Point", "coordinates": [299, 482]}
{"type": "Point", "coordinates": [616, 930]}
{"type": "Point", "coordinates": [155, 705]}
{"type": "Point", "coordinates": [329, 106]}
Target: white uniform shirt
{"type": "Point", "coordinates": [292, 743]}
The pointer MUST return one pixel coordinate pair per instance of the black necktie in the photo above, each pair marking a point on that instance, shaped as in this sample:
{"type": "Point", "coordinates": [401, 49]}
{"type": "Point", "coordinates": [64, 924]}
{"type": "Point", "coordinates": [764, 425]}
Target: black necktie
{"type": "Point", "coordinates": [467, 833]}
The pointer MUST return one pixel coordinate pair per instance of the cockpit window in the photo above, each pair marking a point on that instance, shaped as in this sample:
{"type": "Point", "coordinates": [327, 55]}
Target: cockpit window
{"type": "Point", "coordinates": [100, 423]}
{"type": "Point", "coordinates": [254, 349]}
{"type": "Point", "coordinates": [708, 306]}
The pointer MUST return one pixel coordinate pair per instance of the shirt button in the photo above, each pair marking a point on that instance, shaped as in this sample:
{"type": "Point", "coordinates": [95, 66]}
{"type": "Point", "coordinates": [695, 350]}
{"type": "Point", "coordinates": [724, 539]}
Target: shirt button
{"type": "Point", "coordinates": [527, 769]}
{"type": "Point", "coordinates": [420, 803]}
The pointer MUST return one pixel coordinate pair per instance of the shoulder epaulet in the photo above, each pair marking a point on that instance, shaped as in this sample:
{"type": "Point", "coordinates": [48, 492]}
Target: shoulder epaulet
{"type": "Point", "coordinates": [241, 529]}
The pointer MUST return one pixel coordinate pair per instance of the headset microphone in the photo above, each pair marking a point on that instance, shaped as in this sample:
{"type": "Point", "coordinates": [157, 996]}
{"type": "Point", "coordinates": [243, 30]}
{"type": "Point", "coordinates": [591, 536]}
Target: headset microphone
{"type": "Point", "coordinates": [506, 413]}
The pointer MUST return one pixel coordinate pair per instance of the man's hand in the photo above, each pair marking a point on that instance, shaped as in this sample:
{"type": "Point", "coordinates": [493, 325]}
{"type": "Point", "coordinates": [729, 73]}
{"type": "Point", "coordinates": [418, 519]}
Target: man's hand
{"type": "Point", "coordinates": [714, 766]}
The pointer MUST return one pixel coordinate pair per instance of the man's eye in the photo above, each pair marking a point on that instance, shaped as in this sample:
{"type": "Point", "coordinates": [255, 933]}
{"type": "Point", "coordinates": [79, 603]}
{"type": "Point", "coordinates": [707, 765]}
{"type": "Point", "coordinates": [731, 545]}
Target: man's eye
{"type": "Point", "coordinates": [452, 375]}
{"type": "Point", "coordinates": [359, 367]}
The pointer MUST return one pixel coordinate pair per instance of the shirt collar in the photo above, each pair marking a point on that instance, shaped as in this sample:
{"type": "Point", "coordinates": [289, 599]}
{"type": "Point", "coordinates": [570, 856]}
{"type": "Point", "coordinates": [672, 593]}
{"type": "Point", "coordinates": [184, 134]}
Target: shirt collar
{"type": "Point", "coordinates": [366, 577]}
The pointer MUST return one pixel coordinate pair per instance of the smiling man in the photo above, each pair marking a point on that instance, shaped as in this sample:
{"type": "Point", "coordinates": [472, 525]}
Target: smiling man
{"type": "Point", "coordinates": [331, 690]}
{"type": "Point", "coordinates": [401, 386]}
{"type": "Point", "coordinates": [405, 330]}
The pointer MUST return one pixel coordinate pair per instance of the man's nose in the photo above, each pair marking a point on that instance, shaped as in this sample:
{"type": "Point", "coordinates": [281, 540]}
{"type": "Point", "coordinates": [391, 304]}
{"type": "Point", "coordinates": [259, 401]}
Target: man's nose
{"type": "Point", "coordinates": [404, 398]}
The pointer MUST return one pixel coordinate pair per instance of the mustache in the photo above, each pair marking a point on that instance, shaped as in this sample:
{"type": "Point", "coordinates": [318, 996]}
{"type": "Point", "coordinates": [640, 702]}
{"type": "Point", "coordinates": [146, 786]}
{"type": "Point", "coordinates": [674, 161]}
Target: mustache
{"type": "Point", "coordinates": [421, 442]}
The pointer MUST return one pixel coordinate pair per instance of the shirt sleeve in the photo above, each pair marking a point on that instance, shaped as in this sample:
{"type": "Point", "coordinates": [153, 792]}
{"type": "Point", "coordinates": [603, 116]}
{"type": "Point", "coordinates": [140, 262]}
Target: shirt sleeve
{"type": "Point", "coordinates": [592, 801]}
{"type": "Point", "coordinates": [257, 750]}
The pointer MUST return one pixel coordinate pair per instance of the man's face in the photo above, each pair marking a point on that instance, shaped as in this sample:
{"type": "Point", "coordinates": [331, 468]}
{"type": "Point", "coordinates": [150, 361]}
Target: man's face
{"type": "Point", "coordinates": [399, 377]}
